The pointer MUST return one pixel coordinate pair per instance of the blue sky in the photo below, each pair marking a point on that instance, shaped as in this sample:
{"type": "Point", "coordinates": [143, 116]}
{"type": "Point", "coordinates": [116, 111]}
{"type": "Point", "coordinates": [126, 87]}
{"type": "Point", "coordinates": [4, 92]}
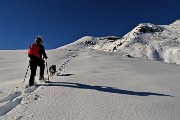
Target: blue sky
{"type": "Point", "coordinates": [60, 22]}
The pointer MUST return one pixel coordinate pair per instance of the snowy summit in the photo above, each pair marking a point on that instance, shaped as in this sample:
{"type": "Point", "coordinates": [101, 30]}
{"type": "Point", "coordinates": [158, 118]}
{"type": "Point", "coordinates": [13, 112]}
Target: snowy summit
{"type": "Point", "coordinates": [99, 78]}
{"type": "Point", "coordinates": [146, 40]}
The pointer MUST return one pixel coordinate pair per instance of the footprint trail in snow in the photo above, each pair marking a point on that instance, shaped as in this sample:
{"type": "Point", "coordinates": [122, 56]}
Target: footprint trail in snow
{"type": "Point", "coordinates": [14, 99]}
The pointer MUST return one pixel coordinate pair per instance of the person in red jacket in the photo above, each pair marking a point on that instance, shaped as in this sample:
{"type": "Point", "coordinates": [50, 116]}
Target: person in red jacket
{"type": "Point", "coordinates": [36, 53]}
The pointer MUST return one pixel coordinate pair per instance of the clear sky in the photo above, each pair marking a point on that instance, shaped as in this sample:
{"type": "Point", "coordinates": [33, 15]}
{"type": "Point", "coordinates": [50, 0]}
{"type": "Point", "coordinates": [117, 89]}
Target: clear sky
{"type": "Point", "coordinates": [60, 22]}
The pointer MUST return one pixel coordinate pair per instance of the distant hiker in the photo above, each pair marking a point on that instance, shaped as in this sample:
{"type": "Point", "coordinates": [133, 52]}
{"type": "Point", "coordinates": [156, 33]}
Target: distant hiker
{"type": "Point", "coordinates": [36, 53]}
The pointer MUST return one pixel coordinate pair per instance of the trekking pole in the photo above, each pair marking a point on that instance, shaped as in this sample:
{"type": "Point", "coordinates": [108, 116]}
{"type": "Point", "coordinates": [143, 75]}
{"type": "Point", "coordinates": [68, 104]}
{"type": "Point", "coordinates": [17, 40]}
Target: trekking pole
{"type": "Point", "coordinates": [47, 70]}
{"type": "Point", "coordinates": [26, 73]}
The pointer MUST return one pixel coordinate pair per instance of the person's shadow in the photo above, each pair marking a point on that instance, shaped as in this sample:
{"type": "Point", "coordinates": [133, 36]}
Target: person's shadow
{"type": "Point", "coordinates": [104, 89]}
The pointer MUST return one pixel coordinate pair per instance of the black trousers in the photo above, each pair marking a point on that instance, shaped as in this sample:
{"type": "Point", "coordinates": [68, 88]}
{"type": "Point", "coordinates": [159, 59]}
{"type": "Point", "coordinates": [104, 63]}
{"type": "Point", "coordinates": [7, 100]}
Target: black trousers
{"type": "Point", "coordinates": [33, 67]}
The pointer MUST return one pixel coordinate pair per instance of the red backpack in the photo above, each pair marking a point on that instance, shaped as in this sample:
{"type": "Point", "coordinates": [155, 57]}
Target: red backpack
{"type": "Point", "coordinates": [34, 50]}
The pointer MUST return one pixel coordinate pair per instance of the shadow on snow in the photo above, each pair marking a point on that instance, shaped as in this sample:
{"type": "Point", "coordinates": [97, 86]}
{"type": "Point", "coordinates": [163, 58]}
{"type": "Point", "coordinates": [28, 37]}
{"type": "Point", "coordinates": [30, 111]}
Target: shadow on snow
{"type": "Point", "coordinates": [64, 74]}
{"type": "Point", "coordinates": [104, 89]}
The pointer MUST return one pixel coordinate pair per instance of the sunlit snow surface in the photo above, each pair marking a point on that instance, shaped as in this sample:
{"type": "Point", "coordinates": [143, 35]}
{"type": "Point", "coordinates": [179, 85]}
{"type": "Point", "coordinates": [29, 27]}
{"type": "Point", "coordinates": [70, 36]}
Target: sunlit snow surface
{"type": "Point", "coordinates": [94, 83]}
{"type": "Point", "coordinates": [91, 85]}
{"type": "Point", "coordinates": [146, 40]}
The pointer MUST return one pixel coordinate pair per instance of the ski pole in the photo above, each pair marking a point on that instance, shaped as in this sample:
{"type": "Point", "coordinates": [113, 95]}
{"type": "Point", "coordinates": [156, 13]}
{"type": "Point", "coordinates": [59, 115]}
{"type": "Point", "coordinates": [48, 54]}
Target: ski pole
{"type": "Point", "coordinates": [26, 73]}
{"type": "Point", "coordinates": [47, 70]}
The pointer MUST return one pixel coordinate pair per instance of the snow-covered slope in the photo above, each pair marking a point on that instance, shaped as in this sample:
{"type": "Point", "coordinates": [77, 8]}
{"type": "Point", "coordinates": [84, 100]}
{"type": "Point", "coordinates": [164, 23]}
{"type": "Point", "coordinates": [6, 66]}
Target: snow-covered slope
{"type": "Point", "coordinates": [93, 85]}
{"type": "Point", "coordinates": [99, 43]}
{"type": "Point", "coordinates": [153, 42]}
{"type": "Point", "coordinates": [79, 44]}
{"type": "Point", "coordinates": [147, 41]}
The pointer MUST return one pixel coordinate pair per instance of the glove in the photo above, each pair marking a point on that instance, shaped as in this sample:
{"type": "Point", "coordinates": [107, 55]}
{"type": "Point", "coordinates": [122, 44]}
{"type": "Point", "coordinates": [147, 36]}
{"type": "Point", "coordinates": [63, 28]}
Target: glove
{"type": "Point", "coordinates": [46, 57]}
{"type": "Point", "coordinates": [30, 61]}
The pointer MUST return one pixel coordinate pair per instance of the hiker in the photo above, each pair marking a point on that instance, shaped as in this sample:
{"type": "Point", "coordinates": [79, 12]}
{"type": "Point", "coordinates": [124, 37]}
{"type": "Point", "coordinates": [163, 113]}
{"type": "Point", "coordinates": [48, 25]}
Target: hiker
{"type": "Point", "coordinates": [36, 53]}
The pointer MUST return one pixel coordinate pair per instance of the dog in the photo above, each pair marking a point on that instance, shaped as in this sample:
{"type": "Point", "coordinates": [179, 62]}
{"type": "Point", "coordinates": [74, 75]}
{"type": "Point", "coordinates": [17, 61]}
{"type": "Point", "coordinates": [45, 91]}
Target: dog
{"type": "Point", "coordinates": [52, 70]}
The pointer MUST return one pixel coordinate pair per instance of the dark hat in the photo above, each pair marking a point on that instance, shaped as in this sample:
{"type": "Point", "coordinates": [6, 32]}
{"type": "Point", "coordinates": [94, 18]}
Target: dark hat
{"type": "Point", "coordinates": [38, 40]}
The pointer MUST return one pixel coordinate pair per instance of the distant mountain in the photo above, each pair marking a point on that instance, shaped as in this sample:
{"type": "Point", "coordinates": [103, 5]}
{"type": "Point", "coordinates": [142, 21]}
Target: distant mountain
{"type": "Point", "coordinates": [146, 40]}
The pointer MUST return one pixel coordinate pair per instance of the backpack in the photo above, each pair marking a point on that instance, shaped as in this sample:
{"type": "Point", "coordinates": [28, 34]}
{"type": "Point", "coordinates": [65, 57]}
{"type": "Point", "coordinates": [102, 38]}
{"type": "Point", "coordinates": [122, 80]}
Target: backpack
{"type": "Point", "coordinates": [34, 50]}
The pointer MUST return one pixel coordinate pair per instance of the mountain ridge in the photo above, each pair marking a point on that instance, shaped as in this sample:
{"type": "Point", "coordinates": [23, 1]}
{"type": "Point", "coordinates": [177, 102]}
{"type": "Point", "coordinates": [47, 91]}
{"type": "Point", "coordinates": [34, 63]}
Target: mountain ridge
{"type": "Point", "coordinates": [146, 40]}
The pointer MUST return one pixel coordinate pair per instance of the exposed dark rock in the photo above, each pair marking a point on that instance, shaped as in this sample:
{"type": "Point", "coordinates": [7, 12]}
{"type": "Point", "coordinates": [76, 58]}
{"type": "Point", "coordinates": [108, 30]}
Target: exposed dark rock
{"type": "Point", "coordinates": [148, 29]}
{"type": "Point", "coordinates": [90, 43]}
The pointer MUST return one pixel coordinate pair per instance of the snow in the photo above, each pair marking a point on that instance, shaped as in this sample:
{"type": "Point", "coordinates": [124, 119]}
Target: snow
{"type": "Point", "coordinates": [146, 40]}
{"type": "Point", "coordinates": [94, 83]}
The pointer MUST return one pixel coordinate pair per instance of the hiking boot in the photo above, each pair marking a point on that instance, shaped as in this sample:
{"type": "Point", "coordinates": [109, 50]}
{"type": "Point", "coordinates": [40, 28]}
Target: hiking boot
{"type": "Point", "coordinates": [41, 77]}
{"type": "Point", "coordinates": [31, 82]}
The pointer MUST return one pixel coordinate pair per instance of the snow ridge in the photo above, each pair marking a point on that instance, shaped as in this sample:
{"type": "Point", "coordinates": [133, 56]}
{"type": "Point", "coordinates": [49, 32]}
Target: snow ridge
{"type": "Point", "coordinates": [176, 21]}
